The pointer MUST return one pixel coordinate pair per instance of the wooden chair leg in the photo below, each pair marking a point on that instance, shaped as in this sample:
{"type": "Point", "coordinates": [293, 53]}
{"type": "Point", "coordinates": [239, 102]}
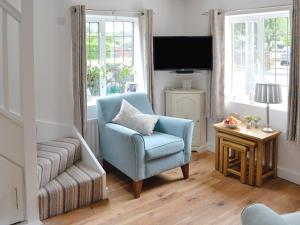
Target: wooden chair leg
{"type": "Point", "coordinates": [185, 171]}
{"type": "Point", "coordinates": [137, 188]}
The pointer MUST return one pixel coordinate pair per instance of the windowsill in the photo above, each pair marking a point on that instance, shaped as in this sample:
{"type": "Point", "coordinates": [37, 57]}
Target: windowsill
{"type": "Point", "coordinates": [273, 107]}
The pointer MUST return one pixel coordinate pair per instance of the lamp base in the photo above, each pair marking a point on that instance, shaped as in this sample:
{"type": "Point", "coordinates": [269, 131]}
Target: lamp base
{"type": "Point", "coordinates": [268, 130]}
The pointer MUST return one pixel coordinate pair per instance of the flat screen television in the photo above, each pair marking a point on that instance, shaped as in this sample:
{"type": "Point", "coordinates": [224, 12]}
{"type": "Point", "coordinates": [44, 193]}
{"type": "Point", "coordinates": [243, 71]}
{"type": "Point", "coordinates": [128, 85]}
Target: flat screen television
{"type": "Point", "coordinates": [182, 53]}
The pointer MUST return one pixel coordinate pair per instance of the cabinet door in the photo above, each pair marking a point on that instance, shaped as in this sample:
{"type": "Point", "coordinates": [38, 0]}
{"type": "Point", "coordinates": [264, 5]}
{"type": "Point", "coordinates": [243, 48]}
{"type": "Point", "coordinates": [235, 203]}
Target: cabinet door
{"type": "Point", "coordinates": [11, 193]}
{"type": "Point", "coordinates": [187, 106]}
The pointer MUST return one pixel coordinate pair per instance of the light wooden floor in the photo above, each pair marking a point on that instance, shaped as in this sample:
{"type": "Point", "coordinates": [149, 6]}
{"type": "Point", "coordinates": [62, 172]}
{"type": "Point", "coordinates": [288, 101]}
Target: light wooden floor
{"type": "Point", "coordinates": [206, 198]}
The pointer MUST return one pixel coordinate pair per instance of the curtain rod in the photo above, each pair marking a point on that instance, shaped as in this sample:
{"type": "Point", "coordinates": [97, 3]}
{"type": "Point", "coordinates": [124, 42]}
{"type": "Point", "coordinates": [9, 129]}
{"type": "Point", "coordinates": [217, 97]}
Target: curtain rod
{"type": "Point", "coordinates": [239, 10]}
{"type": "Point", "coordinates": [116, 11]}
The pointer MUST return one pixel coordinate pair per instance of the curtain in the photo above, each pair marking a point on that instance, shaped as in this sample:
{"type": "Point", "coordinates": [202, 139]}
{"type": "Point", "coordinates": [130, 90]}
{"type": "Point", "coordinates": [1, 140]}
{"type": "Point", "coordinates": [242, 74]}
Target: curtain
{"type": "Point", "coordinates": [92, 137]}
{"type": "Point", "coordinates": [79, 67]}
{"type": "Point", "coordinates": [215, 91]}
{"type": "Point", "coordinates": [293, 129]}
{"type": "Point", "coordinates": [146, 35]}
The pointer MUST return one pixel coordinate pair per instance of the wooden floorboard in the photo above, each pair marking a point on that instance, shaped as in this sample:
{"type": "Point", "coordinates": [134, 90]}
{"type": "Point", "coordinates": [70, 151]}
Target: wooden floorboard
{"type": "Point", "coordinates": [206, 198]}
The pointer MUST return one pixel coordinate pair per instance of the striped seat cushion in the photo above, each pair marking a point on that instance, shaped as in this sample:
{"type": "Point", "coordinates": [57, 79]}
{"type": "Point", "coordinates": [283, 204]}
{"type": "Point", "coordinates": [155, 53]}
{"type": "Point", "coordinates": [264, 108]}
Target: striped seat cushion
{"type": "Point", "coordinates": [54, 157]}
{"type": "Point", "coordinates": [76, 187]}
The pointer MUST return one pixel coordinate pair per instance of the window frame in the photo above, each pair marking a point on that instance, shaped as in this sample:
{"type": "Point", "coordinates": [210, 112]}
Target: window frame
{"type": "Point", "coordinates": [248, 16]}
{"type": "Point", "coordinates": [102, 35]}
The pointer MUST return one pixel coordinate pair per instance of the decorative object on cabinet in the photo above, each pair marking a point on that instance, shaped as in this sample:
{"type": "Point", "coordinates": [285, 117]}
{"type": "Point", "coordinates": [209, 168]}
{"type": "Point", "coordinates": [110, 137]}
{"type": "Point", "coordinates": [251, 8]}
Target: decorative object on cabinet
{"type": "Point", "coordinates": [189, 104]}
{"type": "Point", "coordinates": [269, 94]}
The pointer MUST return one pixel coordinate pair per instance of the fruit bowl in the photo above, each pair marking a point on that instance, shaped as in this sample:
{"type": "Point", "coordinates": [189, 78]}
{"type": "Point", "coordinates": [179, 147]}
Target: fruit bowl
{"type": "Point", "coordinates": [232, 126]}
{"type": "Point", "coordinates": [231, 122]}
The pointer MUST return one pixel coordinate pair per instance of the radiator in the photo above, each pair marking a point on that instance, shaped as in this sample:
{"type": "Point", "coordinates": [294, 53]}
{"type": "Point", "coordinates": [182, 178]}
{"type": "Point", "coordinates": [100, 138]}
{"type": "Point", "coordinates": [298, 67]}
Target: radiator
{"type": "Point", "coordinates": [92, 137]}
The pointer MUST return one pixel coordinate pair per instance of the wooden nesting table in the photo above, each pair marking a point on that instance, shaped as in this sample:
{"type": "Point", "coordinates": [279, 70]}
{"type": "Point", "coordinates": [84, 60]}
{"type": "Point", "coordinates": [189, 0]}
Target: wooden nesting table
{"type": "Point", "coordinates": [264, 143]}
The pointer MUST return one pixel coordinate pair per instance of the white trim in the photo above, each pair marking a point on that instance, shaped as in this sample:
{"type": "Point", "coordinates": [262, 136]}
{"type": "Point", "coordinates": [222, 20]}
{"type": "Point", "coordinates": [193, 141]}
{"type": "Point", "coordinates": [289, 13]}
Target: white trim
{"type": "Point", "coordinates": [211, 147]}
{"type": "Point", "coordinates": [259, 10]}
{"type": "Point", "coordinates": [202, 148]}
{"type": "Point", "coordinates": [89, 159]}
{"type": "Point", "coordinates": [12, 117]}
{"type": "Point", "coordinates": [38, 222]}
{"type": "Point", "coordinates": [288, 175]}
{"type": "Point", "coordinates": [28, 97]}
{"type": "Point", "coordinates": [5, 61]}
{"type": "Point", "coordinates": [11, 10]}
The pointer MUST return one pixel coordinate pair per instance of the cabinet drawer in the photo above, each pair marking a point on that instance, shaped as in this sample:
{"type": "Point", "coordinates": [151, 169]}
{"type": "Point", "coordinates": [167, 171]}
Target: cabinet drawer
{"type": "Point", "coordinates": [186, 106]}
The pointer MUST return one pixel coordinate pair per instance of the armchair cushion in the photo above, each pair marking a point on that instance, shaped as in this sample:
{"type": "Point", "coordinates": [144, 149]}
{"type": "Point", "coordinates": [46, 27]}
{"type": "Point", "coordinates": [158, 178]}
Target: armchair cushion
{"type": "Point", "coordinates": [159, 145]}
{"type": "Point", "coordinates": [132, 118]}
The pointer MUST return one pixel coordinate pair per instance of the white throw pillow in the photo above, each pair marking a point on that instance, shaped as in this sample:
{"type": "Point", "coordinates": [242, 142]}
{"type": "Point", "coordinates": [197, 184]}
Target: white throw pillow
{"type": "Point", "coordinates": [132, 118]}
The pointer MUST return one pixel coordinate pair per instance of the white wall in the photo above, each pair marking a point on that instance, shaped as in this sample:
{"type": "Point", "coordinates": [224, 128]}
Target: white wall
{"type": "Point", "coordinates": [198, 24]}
{"type": "Point", "coordinates": [53, 50]}
{"type": "Point", "coordinates": [172, 17]}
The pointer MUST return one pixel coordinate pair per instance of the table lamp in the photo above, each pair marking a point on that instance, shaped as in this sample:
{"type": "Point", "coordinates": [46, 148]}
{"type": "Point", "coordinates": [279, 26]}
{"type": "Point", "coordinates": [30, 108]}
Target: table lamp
{"type": "Point", "coordinates": [269, 94]}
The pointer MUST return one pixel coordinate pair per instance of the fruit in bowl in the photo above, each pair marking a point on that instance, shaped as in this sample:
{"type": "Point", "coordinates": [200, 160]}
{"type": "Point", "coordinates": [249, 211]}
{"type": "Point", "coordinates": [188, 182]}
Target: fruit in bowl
{"type": "Point", "coordinates": [231, 122]}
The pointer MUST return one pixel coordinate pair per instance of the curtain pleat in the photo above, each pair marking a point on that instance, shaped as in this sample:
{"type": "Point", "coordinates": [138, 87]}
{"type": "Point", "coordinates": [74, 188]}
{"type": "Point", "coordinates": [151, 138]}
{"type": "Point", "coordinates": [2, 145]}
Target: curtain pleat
{"type": "Point", "coordinates": [215, 85]}
{"type": "Point", "coordinates": [293, 129]}
{"type": "Point", "coordinates": [79, 67]}
{"type": "Point", "coordinates": [146, 35]}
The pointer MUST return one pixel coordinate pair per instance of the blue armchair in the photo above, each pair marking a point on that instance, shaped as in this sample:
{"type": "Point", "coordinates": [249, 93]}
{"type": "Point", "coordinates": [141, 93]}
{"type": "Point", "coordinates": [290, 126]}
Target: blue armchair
{"type": "Point", "coordinates": [138, 156]}
{"type": "Point", "coordinates": [259, 214]}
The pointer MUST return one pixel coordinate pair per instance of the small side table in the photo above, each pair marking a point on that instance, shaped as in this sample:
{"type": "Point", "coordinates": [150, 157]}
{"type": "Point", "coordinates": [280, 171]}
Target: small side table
{"type": "Point", "coordinates": [265, 142]}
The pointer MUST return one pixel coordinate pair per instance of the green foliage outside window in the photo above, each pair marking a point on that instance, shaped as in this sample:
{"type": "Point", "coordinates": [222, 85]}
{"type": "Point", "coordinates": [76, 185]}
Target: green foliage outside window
{"type": "Point", "coordinates": [114, 75]}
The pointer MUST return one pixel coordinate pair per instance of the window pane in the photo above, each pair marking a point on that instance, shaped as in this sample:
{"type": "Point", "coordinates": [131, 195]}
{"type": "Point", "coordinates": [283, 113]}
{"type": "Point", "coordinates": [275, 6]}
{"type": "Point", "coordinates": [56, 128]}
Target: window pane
{"type": "Point", "coordinates": [118, 43]}
{"type": "Point", "coordinates": [93, 81]}
{"type": "Point", "coordinates": [92, 44]}
{"type": "Point", "coordinates": [277, 50]}
{"type": "Point", "coordinates": [109, 57]}
{"type": "Point", "coordinates": [109, 44]}
{"type": "Point", "coordinates": [115, 71]}
{"type": "Point", "coordinates": [128, 43]}
{"type": "Point", "coordinates": [259, 52]}
{"type": "Point", "coordinates": [238, 57]}
{"type": "Point", "coordinates": [128, 29]}
{"type": "Point", "coordinates": [118, 28]}
{"type": "Point", "coordinates": [109, 28]}
{"type": "Point", "coordinates": [118, 57]}
{"type": "Point", "coordinates": [94, 28]}
{"type": "Point", "coordinates": [128, 58]}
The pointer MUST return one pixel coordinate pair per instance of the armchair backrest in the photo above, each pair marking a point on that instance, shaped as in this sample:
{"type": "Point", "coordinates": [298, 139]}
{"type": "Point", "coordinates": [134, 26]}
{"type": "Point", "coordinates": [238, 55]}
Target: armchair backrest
{"type": "Point", "coordinates": [108, 107]}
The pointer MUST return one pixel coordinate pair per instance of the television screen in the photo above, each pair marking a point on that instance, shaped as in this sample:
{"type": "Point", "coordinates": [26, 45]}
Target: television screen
{"type": "Point", "coordinates": [182, 53]}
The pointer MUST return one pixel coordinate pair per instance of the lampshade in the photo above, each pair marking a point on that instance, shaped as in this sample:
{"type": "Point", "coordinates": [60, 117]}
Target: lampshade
{"type": "Point", "coordinates": [267, 93]}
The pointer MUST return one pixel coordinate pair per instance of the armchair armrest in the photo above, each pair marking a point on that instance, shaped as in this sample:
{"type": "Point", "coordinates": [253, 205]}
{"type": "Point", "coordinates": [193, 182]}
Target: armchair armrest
{"type": "Point", "coordinates": [124, 149]}
{"type": "Point", "coordinates": [182, 128]}
{"type": "Point", "coordinates": [259, 214]}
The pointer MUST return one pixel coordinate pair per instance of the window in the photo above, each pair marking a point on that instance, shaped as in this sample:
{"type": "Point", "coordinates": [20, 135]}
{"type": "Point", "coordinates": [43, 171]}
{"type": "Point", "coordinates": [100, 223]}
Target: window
{"type": "Point", "coordinates": [257, 50]}
{"type": "Point", "coordinates": [112, 56]}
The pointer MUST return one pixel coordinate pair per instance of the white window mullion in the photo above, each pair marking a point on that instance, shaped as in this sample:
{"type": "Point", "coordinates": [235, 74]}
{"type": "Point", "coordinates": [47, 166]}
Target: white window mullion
{"type": "Point", "coordinates": [102, 39]}
{"type": "Point", "coordinates": [261, 49]}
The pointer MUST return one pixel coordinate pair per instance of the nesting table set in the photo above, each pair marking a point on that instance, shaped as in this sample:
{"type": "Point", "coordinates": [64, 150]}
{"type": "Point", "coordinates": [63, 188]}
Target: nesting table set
{"type": "Point", "coordinates": [251, 154]}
